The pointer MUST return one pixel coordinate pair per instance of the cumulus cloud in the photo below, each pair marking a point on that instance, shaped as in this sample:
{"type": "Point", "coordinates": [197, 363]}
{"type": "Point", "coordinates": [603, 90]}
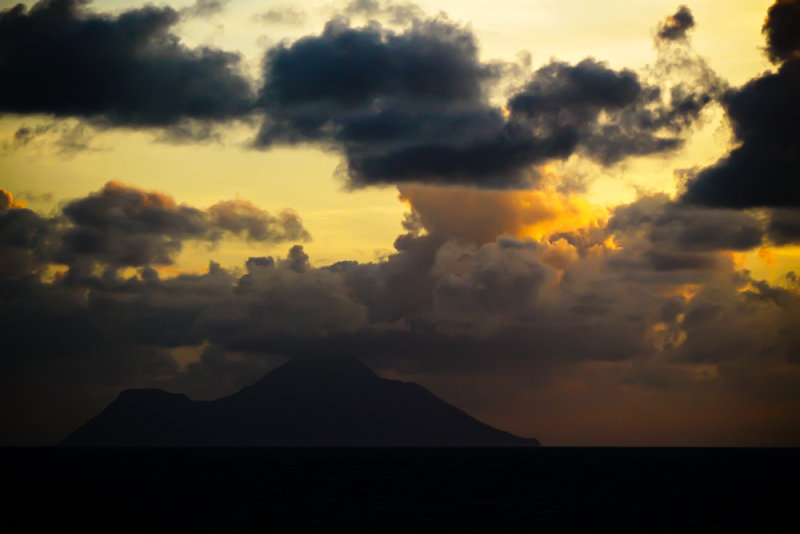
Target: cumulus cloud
{"type": "Point", "coordinates": [242, 217]}
{"type": "Point", "coordinates": [784, 226]}
{"type": "Point", "coordinates": [676, 26]}
{"type": "Point", "coordinates": [689, 228]}
{"type": "Point", "coordinates": [60, 58]}
{"type": "Point", "coordinates": [123, 226]}
{"type": "Point", "coordinates": [23, 238]}
{"type": "Point", "coordinates": [567, 103]}
{"type": "Point", "coordinates": [762, 170]}
{"type": "Point", "coordinates": [484, 290]}
{"type": "Point", "coordinates": [407, 105]}
{"type": "Point", "coordinates": [413, 106]}
{"type": "Point", "coordinates": [654, 293]}
{"type": "Point", "coordinates": [481, 215]}
{"type": "Point", "coordinates": [782, 29]}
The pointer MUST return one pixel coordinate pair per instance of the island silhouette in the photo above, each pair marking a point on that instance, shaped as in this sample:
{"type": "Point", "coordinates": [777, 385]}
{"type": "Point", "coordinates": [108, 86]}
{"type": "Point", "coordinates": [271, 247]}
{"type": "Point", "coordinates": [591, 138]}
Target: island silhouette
{"type": "Point", "coordinates": [309, 401]}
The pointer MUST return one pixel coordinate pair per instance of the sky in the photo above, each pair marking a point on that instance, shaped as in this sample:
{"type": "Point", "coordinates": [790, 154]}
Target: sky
{"type": "Point", "coordinates": [576, 221]}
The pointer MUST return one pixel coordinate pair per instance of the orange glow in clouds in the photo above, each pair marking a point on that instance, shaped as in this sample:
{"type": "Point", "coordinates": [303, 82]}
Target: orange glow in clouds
{"type": "Point", "coordinates": [484, 215]}
{"type": "Point", "coordinates": [7, 201]}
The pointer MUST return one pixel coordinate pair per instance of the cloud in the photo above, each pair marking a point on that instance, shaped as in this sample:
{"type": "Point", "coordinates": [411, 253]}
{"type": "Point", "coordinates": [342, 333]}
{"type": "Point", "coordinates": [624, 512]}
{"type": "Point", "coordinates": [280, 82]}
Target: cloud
{"type": "Point", "coordinates": [59, 58]}
{"type": "Point", "coordinates": [484, 290]}
{"type": "Point", "coordinates": [567, 103]}
{"type": "Point", "coordinates": [762, 170]}
{"type": "Point", "coordinates": [654, 295]}
{"type": "Point", "coordinates": [69, 137]}
{"type": "Point", "coordinates": [689, 228]}
{"type": "Point", "coordinates": [482, 216]}
{"type": "Point", "coordinates": [23, 238]}
{"type": "Point", "coordinates": [782, 29]}
{"type": "Point", "coordinates": [407, 105]}
{"type": "Point", "coordinates": [532, 289]}
{"type": "Point", "coordinates": [283, 15]}
{"type": "Point", "coordinates": [784, 226]}
{"type": "Point", "coordinates": [7, 201]}
{"type": "Point", "coordinates": [413, 106]}
{"type": "Point", "coordinates": [676, 26]}
{"type": "Point", "coordinates": [123, 226]}
{"type": "Point", "coordinates": [241, 217]}
{"type": "Point", "coordinates": [394, 12]}
{"type": "Point", "coordinates": [204, 8]}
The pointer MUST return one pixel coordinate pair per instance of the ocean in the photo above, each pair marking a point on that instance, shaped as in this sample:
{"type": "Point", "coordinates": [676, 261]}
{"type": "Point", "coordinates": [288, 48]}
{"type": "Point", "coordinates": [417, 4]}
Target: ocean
{"type": "Point", "coordinates": [401, 490]}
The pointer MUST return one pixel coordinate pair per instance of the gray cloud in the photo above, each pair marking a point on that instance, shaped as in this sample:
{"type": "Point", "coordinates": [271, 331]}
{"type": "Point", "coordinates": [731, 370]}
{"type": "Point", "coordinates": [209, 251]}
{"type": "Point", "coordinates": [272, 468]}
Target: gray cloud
{"type": "Point", "coordinates": [283, 15]}
{"type": "Point", "coordinates": [439, 304]}
{"type": "Point", "coordinates": [123, 226]}
{"type": "Point", "coordinates": [676, 26]}
{"type": "Point", "coordinates": [204, 8]}
{"type": "Point", "coordinates": [393, 12]}
{"type": "Point", "coordinates": [127, 70]}
{"type": "Point", "coordinates": [412, 106]}
{"type": "Point", "coordinates": [689, 228]}
{"type": "Point", "coordinates": [784, 226]}
{"type": "Point", "coordinates": [782, 30]}
{"type": "Point", "coordinates": [762, 170]}
{"type": "Point", "coordinates": [408, 105]}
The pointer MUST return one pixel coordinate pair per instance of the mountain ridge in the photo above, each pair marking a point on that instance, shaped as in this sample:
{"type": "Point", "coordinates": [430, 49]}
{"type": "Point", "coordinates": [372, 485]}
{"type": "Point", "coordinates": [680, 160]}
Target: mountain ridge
{"type": "Point", "coordinates": [308, 401]}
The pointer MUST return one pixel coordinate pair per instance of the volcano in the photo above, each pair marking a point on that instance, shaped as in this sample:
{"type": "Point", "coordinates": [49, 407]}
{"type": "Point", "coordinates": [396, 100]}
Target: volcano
{"type": "Point", "coordinates": [310, 401]}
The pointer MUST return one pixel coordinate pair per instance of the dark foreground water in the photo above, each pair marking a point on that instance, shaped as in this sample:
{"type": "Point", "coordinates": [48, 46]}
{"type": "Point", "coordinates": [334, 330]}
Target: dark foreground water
{"type": "Point", "coordinates": [400, 490]}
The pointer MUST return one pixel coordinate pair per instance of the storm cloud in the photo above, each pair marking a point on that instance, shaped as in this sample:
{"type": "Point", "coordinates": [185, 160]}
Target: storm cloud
{"type": "Point", "coordinates": [413, 106]}
{"type": "Point", "coordinates": [763, 170]}
{"type": "Point", "coordinates": [60, 58]}
{"type": "Point", "coordinates": [408, 105]}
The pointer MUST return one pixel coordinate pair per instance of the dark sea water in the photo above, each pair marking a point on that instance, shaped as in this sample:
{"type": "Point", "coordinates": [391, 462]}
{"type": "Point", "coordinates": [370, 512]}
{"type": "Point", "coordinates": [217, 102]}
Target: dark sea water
{"type": "Point", "coordinates": [401, 490]}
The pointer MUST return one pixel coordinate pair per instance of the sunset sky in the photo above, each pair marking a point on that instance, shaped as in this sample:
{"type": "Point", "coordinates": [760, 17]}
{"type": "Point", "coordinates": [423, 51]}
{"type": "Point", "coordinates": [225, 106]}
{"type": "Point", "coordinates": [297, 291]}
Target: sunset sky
{"type": "Point", "coordinates": [577, 221]}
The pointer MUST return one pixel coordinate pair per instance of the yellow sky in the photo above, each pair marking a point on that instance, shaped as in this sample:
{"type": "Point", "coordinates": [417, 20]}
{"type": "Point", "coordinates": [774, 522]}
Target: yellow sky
{"type": "Point", "coordinates": [361, 225]}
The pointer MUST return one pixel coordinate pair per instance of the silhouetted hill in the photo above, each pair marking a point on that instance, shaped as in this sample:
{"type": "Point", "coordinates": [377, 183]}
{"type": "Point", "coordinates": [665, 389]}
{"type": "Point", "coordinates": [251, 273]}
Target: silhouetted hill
{"type": "Point", "coordinates": [308, 401]}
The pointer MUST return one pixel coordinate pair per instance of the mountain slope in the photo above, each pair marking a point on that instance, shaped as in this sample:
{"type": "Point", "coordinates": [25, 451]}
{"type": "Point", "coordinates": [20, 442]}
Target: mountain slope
{"type": "Point", "coordinates": [308, 401]}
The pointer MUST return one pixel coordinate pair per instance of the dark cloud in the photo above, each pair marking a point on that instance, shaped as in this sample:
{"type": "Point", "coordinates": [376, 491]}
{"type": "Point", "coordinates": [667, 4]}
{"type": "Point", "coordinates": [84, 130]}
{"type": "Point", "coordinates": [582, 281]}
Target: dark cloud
{"type": "Point", "coordinates": [676, 25]}
{"type": "Point", "coordinates": [413, 106]}
{"type": "Point", "coordinates": [782, 29]}
{"type": "Point", "coordinates": [487, 289]}
{"type": "Point", "coordinates": [688, 228]}
{"type": "Point", "coordinates": [24, 238]}
{"type": "Point", "coordinates": [352, 67]}
{"type": "Point", "coordinates": [784, 226]}
{"type": "Point", "coordinates": [566, 101]}
{"type": "Point", "coordinates": [122, 226]}
{"type": "Point", "coordinates": [62, 59]}
{"type": "Point", "coordinates": [652, 295]}
{"type": "Point", "coordinates": [407, 105]}
{"type": "Point", "coordinates": [763, 170]}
